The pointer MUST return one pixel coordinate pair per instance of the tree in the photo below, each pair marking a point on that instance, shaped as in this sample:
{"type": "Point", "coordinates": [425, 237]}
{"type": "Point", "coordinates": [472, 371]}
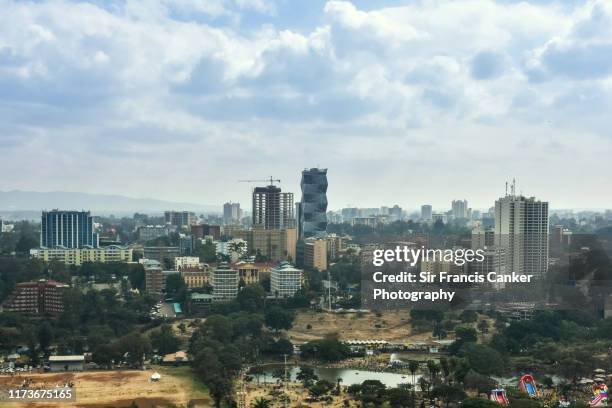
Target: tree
{"type": "Point", "coordinates": [251, 298]}
{"type": "Point", "coordinates": [448, 393]}
{"type": "Point", "coordinates": [400, 397]}
{"type": "Point", "coordinates": [45, 336]}
{"type": "Point", "coordinates": [469, 316]}
{"type": "Point", "coordinates": [434, 370]}
{"type": "Point", "coordinates": [413, 366]}
{"type": "Point", "coordinates": [478, 403]}
{"type": "Point", "coordinates": [261, 402]}
{"type": "Point", "coordinates": [136, 346]}
{"type": "Point", "coordinates": [328, 349]}
{"type": "Point", "coordinates": [372, 391]}
{"type": "Point", "coordinates": [483, 326]}
{"type": "Point", "coordinates": [320, 388]}
{"type": "Point", "coordinates": [481, 383]}
{"type": "Point", "coordinates": [483, 359]}
{"type": "Point", "coordinates": [176, 287]}
{"type": "Point", "coordinates": [278, 319]}
{"type": "Point", "coordinates": [164, 340]}
{"type": "Point", "coordinates": [307, 376]}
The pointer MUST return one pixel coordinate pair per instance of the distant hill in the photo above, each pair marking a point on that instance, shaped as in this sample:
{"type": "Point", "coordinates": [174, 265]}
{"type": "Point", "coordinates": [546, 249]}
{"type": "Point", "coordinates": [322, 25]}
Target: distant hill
{"type": "Point", "coordinates": [100, 204]}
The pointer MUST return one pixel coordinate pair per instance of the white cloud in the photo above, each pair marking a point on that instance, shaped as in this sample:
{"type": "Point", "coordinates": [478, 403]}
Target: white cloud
{"type": "Point", "coordinates": [220, 82]}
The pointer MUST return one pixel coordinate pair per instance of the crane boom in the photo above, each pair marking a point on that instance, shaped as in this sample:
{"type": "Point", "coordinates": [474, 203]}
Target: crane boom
{"type": "Point", "coordinates": [271, 180]}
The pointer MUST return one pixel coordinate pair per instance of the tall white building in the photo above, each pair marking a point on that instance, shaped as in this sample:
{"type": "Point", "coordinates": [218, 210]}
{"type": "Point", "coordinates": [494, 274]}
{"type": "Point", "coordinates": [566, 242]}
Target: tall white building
{"type": "Point", "coordinates": [521, 231]}
{"type": "Point", "coordinates": [285, 280]}
{"type": "Point", "coordinates": [426, 212]}
{"type": "Point", "coordinates": [459, 209]}
{"type": "Point", "coordinates": [225, 283]}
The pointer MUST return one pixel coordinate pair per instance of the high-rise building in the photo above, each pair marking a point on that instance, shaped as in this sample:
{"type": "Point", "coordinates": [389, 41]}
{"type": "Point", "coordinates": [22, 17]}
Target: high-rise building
{"type": "Point", "coordinates": [459, 209]}
{"type": "Point", "coordinates": [225, 283]}
{"type": "Point", "coordinates": [180, 218]}
{"type": "Point", "coordinates": [68, 229]}
{"type": "Point", "coordinates": [313, 206]}
{"type": "Point", "coordinates": [426, 212]}
{"type": "Point", "coordinates": [395, 213]}
{"type": "Point", "coordinates": [483, 237]}
{"type": "Point", "coordinates": [521, 231]}
{"type": "Point", "coordinates": [272, 208]}
{"type": "Point", "coordinates": [232, 213]}
{"type": "Point", "coordinates": [285, 280]}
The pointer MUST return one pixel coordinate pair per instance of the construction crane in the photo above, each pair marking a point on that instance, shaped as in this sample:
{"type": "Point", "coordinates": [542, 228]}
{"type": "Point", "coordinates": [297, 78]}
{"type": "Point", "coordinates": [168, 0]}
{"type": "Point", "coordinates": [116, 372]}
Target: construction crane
{"type": "Point", "coordinates": [271, 180]}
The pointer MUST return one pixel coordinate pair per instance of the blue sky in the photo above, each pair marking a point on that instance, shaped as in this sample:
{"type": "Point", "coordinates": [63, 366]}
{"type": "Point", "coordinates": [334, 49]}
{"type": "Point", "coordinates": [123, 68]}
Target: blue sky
{"type": "Point", "coordinates": [406, 102]}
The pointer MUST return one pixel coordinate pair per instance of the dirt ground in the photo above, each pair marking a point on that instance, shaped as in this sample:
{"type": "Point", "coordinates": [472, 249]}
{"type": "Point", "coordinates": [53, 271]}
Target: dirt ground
{"type": "Point", "coordinates": [117, 389]}
{"type": "Point", "coordinates": [392, 326]}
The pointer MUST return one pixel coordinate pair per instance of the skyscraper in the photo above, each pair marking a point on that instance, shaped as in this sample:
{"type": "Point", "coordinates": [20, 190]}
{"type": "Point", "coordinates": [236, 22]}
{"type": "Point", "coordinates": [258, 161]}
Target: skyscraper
{"type": "Point", "coordinates": [232, 213]}
{"type": "Point", "coordinates": [426, 212]}
{"type": "Point", "coordinates": [272, 208]}
{"type": "Point", "coordinates": [68, 229]}
{"type": "Point", "coordinates": [313, 206]}
{"type": "Point", "coordinates": [459, 209]}
{"type": "Point", "coordinates": [521, 231]}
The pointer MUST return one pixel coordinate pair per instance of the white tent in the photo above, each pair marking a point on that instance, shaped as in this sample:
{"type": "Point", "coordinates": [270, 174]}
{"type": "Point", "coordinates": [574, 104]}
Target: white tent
{"type": "Point", "coordinates": [155, 376]}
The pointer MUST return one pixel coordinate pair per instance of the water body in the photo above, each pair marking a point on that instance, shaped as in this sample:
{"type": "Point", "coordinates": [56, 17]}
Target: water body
{"type": "Point", "coordinates": [349, 377]}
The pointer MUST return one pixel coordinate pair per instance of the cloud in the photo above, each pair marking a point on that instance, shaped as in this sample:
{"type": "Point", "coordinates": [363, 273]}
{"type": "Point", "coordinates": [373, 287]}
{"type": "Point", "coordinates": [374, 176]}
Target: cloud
{"type": "Point", "coordinates": [195, 86]}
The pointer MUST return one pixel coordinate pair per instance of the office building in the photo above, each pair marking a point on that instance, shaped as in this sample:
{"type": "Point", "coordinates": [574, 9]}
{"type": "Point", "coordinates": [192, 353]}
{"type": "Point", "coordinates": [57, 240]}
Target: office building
{"type": "Point", "coordinates": [39, 297]}
{"type": "Point", "coordinates": [180, 218]}
{"type": "Point", "coordinates": [395, 213]}
{"type": "Point", "coordinates": [225, 283]}
{"type": "Point", "coordinates": [335, 246]}
{"type": "Point", "coordinates": [161, 253]}
{"type": "Point", "coordinates": [459, 209]}
{"type": "Point", "coordinates": [78, 256]}
{"type": "Point", "coordinates": [67, 229]}
{"type": "Point", "coordinates": [184, 262]}
{"type": "Point", "coordinates": [426, 212]}
{"type": "Point", "coordinates": [521, 231]}
{"type": "Point", "coordinates": [272, 208]}
{"type": "Point", "coordinates": [483, 237]}
{"type": "Point", "coordinates": [154, 278]}
{"type": "Point", "coordinates": [232, 214]}
{"type": "Point", "coordinates": [151, 232]}
{"type": "Point", "coordinates": [313, 206]}
{"type": "Point", "coordinates": [276, 245]}
{"type": "Point", "coordinates": [201, 231]}
{"type": "Point", "coordinates": [285, 280]}
{"type": "Point", "coordinates": [315, 254]}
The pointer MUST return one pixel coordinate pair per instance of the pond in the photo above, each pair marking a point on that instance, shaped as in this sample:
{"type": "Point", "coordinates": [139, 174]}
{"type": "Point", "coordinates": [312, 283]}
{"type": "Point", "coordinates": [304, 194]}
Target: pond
{"type": "Point", "coordinates": [348, 376]}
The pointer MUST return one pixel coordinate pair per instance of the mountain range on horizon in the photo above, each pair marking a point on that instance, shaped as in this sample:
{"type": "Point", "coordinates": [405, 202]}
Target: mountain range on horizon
{"type": "Point", "coordinates": [24, 201]}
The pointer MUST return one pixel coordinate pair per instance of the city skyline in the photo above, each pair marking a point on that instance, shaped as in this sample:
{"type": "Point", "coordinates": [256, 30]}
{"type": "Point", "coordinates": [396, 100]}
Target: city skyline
{"type": "Point", "coordinates": [120, 92]}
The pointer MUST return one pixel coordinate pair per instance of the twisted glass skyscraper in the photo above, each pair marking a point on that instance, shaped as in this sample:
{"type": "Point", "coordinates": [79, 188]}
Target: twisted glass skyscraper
{"type": "Point", "coordinates": [313, 207]}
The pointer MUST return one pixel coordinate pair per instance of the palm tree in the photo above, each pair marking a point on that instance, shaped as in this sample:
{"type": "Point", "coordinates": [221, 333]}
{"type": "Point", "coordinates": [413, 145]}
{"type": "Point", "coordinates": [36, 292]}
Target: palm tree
{"type": "Point", "coordinates": [261, 403]}
{"type": "Point", "coordinates": [413, 366]}
{"type": "Point", "coordinates": [338, 381]}
{"type": "Point", "coordinates": [434, 370]}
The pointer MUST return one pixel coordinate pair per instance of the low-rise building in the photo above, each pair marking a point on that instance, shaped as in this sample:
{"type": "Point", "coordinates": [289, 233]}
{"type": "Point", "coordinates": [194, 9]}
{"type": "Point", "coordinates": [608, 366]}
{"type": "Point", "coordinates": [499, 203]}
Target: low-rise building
{"type": "Point", "coordinates": [77, 256]}
{"type": "Point", "coordinates": [67, 363]}
{"type": "Point", "coordinates": [195, 277]}
{"type": "Point", "coordinates": [184, 262]}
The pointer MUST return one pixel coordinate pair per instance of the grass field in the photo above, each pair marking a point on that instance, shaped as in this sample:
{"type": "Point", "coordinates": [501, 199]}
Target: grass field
{"type": "Point", "coordinates": [392, 326]}
{"type": "Point", "coordinates": [117, 389]}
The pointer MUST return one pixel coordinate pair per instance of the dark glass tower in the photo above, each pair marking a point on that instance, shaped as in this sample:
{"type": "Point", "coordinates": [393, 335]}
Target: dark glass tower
{"type": "Point", "coordinates": [68, 229]}
{"type": "Point", "coordinates": [313, 207]}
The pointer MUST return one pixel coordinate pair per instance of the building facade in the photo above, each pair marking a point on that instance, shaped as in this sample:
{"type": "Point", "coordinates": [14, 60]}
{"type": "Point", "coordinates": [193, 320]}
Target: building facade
{"type": "Point", "coordinates": [225, 283]}
{"type": "Point", "coordinates": [315, 254]}
{"type": "Point", "coordinates": [39, 297]}
{"type": "Point", "coordinates": [521, 231]}
{"type": "Point", "coordinates": [78, 256]}
{"type": "Point", "coordinates": [67, 229]}
{"type": "Point", "coordinates": [232, 214]}
{"type": "Point", "coordinates": [180, 218]}
{"type": "Point", "coordinates": [313, 206]}
{"type": "Point", "coordinates": [285, 280]}
{"type": "Point", "coordinates": [272, 208]}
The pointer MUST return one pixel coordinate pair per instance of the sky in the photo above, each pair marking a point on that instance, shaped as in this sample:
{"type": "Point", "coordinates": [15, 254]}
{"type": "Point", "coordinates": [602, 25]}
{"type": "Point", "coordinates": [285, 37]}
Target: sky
{"type": "Point", "coordinates": [405, 102]}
